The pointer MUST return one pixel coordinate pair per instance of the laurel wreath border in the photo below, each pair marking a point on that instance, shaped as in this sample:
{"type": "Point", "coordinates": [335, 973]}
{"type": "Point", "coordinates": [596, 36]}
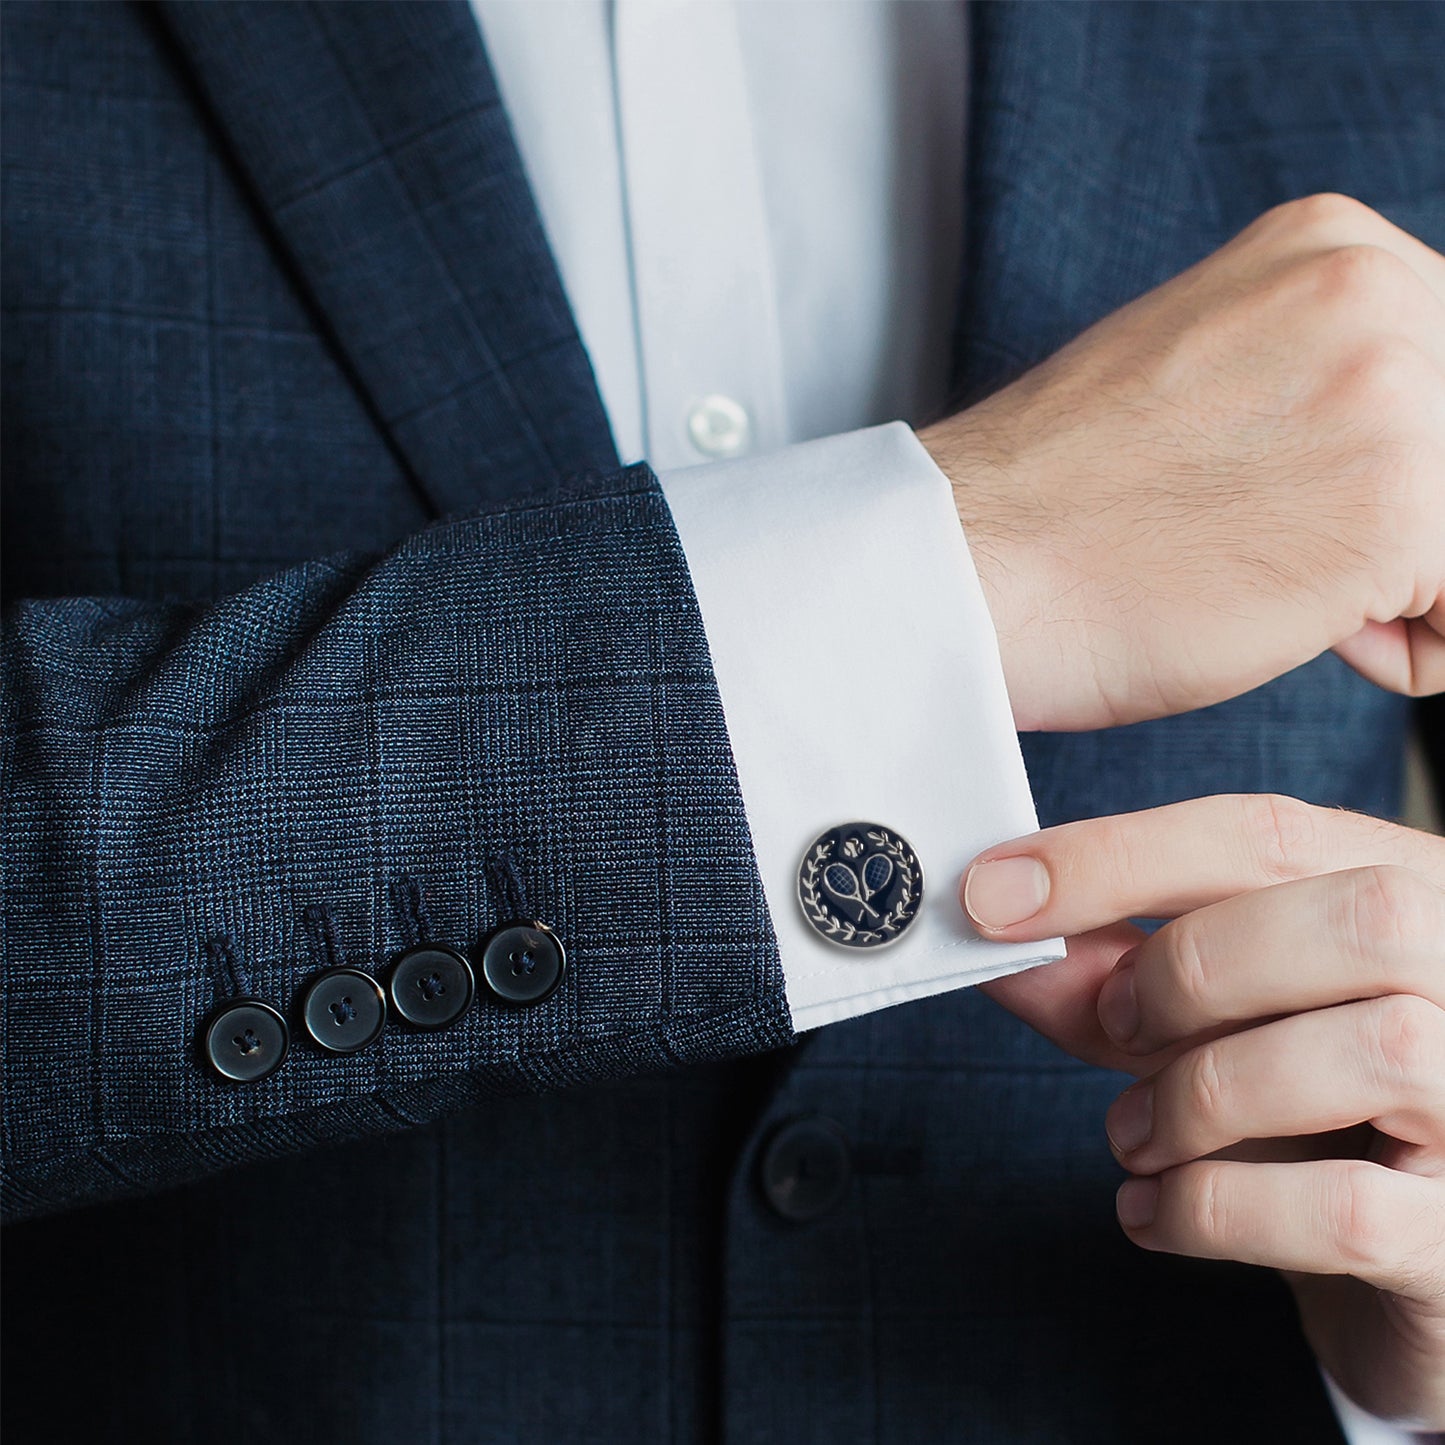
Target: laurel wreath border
{"type": "Point", "coordinates": [840, 930]}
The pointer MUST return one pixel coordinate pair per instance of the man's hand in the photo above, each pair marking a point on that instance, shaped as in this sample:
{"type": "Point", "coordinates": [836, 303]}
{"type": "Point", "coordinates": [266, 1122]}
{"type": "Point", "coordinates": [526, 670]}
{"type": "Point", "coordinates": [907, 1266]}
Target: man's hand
{"type": "Point", "coordinates": [1231, 475]}
{"type": "Point", "coordinates": [1289, 1025]}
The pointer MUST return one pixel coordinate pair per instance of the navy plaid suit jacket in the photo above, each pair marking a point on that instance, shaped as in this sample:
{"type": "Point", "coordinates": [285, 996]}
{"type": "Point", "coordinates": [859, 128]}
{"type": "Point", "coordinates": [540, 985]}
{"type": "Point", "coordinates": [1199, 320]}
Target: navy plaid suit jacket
{"type": "Point", "coordinates": [277, 298]}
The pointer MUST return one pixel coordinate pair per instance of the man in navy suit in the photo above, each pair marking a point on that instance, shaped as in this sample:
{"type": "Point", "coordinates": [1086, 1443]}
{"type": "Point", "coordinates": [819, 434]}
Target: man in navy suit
{"type": "Point", "coordinates": [409, 928]}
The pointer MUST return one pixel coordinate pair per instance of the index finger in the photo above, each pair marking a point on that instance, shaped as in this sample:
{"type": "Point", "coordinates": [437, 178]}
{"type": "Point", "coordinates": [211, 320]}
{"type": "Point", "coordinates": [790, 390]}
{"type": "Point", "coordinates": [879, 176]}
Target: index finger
{"type": "Point", "coordinates": [1165, 861]}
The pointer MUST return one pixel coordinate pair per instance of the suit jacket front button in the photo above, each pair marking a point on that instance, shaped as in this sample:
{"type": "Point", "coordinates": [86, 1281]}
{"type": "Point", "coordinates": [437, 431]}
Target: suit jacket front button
{"type": "Point", "coordinates": [806, 1169]}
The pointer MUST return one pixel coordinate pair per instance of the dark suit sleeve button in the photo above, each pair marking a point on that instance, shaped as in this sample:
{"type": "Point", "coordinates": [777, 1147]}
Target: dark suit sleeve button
{"type": "Point", "coordinates": [431, 986]}
{"type": "Point", "coordinates": [343, 1010]}
{"type": "Point", "coordinates": [245, 1040]}
{"type": "Point", "coordinates": [806, 1169]}
{"type": "Point", "coordinates": [522, 962]}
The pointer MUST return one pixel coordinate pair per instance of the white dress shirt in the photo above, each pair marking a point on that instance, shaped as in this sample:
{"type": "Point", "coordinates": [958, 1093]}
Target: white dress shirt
{"type": "Point", "coordinates": [756, 213]}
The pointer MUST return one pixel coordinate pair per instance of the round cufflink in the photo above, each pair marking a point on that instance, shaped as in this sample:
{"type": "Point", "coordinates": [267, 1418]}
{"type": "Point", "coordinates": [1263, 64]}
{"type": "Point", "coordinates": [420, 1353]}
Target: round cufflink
{"type": "Point", "coordinates": [245, 1041]}
{"type": "Point", "coordinates": [343, 1010]}
{"type": "Point", "coordinates": [522, 962]}
{"type": "Point", "coordinates": [430, 986]}
{"type": "Point", "coordinates": [860, 885]}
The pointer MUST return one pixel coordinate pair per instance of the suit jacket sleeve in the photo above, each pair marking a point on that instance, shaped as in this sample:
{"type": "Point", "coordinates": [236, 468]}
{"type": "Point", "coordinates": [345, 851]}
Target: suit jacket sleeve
{"type": "Point", "coordinates": [201, 800]}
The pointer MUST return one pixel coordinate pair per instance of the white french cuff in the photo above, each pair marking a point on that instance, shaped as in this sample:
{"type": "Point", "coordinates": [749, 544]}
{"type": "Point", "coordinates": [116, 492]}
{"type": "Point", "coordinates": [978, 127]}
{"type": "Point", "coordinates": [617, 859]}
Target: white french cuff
{"type": "Point", "coordinates": [861, 681]}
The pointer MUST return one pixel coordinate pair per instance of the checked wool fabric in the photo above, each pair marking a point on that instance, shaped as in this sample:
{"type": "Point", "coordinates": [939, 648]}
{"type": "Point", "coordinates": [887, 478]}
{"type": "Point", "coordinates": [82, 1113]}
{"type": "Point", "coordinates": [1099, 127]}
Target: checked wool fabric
{"type": "Point", "coordinates": [530, 683]}
{"type": "Point", "coordinates": [276, 300]}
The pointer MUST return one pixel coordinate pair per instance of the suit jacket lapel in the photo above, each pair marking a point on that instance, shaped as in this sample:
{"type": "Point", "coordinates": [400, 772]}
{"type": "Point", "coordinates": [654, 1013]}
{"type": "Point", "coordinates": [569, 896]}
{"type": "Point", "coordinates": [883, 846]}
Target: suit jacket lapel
{"type": "Point", "coordinates": [376, 142]}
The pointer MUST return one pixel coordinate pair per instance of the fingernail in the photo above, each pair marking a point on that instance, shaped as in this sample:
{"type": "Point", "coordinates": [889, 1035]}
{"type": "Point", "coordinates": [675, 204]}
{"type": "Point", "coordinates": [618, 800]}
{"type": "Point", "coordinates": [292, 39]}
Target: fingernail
{"type": "Point", "coordinates": [1136, 1201]}
{"type": "Point", "coordinates": [1119, 1005]}
{"type": "Point", "coordinates": [1130, 1119]}
{"type": "Point", "coordinates": [1005, 891]}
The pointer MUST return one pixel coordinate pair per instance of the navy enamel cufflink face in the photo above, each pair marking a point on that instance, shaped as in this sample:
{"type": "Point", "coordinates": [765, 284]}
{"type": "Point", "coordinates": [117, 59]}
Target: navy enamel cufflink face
{"type": "Point", "coordinates": [860, 885]}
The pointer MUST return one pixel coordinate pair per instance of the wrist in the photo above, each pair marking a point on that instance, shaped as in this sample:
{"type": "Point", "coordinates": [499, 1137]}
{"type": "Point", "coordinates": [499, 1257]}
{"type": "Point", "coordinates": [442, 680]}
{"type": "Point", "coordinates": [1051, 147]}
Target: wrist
{"type": "Point", "coordinates": [1008, 562]}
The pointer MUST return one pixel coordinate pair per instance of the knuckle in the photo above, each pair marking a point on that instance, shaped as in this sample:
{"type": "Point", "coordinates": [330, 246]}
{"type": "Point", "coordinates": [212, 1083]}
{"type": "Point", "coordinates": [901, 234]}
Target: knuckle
{"type": "Point", "coordinates": [1361, 1217]}
{"type": "Point", "coordinates": [1359, 276]}
{"type": "Point", "coordinates": [1285, 835]}
{"type": "Point", "coordinates": [1408, 1040]}
{"type": "Point", "coordinates": [1113, 847]}
{"type": "Point", "coordinates": [1393, 913]}
{"type": "Point", "coordinates": [1187, 974]}
{"type": "Point", "coordinates": [1381, 376]}
{"type": "Point", "coordinates": [1206, 1091]}
{"type": "Point", "coordinates": [1324, 211]}
{"type": "Point", "coordinates": [1207, 1211]}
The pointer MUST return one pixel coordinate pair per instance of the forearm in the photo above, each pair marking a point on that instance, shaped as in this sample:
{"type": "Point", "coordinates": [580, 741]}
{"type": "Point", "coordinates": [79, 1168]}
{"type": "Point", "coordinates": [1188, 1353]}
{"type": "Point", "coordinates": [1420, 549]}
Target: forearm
{"type": "Point", "coordinates": [530, 685]}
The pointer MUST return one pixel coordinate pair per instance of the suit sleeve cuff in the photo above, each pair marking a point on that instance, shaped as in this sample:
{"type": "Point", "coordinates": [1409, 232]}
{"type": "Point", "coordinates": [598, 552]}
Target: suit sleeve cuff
{"type": "Point", "coordinates": [860, 677]}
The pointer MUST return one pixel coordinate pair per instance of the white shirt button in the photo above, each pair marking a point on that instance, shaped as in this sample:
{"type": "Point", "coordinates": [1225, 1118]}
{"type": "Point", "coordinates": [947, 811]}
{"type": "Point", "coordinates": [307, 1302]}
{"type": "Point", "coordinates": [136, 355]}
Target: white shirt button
{"type": "Point", "coordinates": [719, 426]}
